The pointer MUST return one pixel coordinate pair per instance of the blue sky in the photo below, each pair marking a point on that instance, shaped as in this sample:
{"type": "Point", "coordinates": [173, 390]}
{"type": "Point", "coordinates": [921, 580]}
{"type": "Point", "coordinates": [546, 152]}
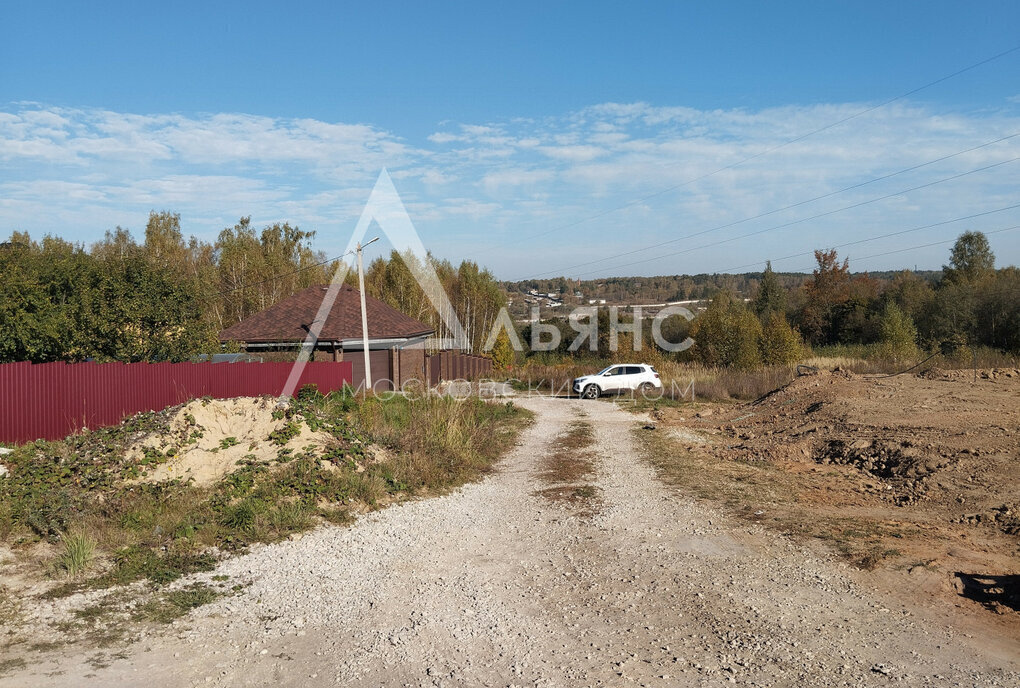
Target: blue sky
{"type": "Point", "coordinates": [586, 138]}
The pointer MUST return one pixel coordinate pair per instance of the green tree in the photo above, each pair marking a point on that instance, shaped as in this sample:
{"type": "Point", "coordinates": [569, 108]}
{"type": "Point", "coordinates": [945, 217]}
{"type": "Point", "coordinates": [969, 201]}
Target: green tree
{"type": "Point", "coordinates": [31, 327]}
{"type": "Point", "coordinates": [727, 334]}
{"type": "Point", "coordinates": [997, 310]}
{"type": "Point", "coordinates": [911, 293]}
{"type": "Point", "coordinates": [771, 297]}
{"type": "Point", "coordinates": [970, 259]}
{"type": "Point", "coordinates": [898, 336]}
{"type": "Point", "coordinates": [502, 351]}
{"type": "Point", "coordinates": [780, 343]}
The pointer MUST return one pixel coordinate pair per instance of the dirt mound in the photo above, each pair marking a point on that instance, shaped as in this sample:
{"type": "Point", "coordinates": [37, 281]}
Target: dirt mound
{"type": "Point", "coordinates": [965, 374]}
{"type": "Point", "coordinates": [952, 446]}
{"type": "Point", "coordinates": [920, 468]}
{"type": "Point", "coordinates": [206, 439]}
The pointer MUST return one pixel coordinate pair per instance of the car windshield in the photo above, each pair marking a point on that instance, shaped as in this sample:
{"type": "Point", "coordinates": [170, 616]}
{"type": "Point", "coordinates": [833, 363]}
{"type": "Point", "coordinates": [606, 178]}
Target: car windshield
{"type": "Point", "coordinates": [605, 370]}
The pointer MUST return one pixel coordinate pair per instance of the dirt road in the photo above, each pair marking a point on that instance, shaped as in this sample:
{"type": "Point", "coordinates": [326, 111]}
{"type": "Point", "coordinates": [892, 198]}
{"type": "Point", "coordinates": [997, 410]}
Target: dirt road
{"type": "Point", "coordinates": [499, 585]}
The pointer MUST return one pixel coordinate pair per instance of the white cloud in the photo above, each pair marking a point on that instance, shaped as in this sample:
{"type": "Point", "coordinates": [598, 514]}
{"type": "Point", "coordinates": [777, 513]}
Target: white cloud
{"type": "Point", "coordinates": [615, 175]}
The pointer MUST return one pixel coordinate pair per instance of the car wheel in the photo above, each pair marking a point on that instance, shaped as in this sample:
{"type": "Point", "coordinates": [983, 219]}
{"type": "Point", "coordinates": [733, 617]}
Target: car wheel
{"type": "Point", "coordinates": [590, 392]}
{"type": "Point", "coordinates": [646, 387]}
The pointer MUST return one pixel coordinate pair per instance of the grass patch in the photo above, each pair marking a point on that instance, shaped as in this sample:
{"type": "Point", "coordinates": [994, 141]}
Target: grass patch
{"type": "Point", "coordinates": [10, 610]}
{"type": "Point", "coordinates": [569, 461]}
{"type": "Point", "coordinates": [567, 465]}
{"type": "Point", "coordinates": [78, 552]}
{"type": "Point", "coordinates": [11, 665]}
{"type": "Point", "coordinates": [734, 483]}
{"type": "Point", "coordinates": [173, 605]}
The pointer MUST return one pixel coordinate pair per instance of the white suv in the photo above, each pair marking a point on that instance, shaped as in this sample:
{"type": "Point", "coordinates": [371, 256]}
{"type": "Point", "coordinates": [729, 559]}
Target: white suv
{"type": "Point", "coordinates": [618, 378]}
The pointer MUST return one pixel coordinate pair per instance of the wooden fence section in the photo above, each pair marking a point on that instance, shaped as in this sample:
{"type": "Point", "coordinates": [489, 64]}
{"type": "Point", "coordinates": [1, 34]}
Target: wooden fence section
{"type": "Point", "coordinates": [52, 400]}
{"type": "Point", "coordinates": [454, 365]}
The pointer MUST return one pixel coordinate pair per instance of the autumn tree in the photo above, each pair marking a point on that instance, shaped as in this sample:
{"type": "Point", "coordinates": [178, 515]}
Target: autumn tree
{"type": "Point", "coordinates": [727, 334]}
{"type": "Point", "coordinates": [780, 344]}
{"type": "Point", "coordinates": [828, 287]}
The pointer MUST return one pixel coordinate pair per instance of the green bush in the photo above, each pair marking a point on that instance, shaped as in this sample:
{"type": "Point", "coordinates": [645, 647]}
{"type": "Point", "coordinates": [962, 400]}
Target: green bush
{"type": "Point", "coordinates": [727, 334]}
{"type": "Point", "coordinates": [780, 343]}
{"type": "Point", "coordinates": [898, 336]}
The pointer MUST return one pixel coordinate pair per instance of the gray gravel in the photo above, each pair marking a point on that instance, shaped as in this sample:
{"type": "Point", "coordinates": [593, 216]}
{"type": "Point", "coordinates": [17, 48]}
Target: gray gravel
{"type": "Point", "coordinates": [497, 586]}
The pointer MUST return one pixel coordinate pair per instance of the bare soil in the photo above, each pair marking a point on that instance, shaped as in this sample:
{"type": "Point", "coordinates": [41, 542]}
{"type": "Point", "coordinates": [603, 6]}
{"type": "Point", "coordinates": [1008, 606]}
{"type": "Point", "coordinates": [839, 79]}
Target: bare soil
{"type": "Point", "coordinates": [913, 473]}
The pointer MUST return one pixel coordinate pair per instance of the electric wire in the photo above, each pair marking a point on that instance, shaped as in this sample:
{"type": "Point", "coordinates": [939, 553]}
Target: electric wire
{"type": "Point", "coordinates": [777, 210]}
{"type": "Point", "coordinates": [779, 146]}
{"type": "Point", "coordinates": [805, 219]}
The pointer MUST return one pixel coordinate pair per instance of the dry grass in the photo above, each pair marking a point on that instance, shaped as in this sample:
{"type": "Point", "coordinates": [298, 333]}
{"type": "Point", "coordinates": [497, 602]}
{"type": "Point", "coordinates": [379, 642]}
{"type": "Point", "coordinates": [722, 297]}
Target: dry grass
{"type": "Point", "coordinates": [684, 381]}
{"type": "Point", "coordinates": [569, 461]}
{"type": "Point", "coordinates": [566, 467]}
{"type": "Point", "coordinates": [439, 442]}
{"type": "Point", "coordinates": [118, 531]}
{"type": "Point", "coordinates": [10, 609]}
{"type": "Point", "coordinates": [681, 381]}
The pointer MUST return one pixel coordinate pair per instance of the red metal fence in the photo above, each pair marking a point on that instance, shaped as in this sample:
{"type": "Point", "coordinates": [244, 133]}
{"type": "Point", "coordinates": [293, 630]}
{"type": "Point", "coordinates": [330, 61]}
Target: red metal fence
{"type": "Point", "coordinates": [52, 400]}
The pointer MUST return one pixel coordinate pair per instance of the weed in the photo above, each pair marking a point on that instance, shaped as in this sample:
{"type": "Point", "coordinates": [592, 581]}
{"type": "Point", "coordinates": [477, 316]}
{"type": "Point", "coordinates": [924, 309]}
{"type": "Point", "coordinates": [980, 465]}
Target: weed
{"type": "Point", "coordinates": [78, 552]}
{"type": "Point", "coordinates": [290, 517]}
{"type": "Point", "coordinates": [244, 517]}
{"type": "Point", "coordinates": [165, 530]}
{"type": "Point", "coordinates": [10, 611]}
{"type": "Point", "coordinates": [289, 431]}
{"type": "Point", "coordinates": [228, 442]}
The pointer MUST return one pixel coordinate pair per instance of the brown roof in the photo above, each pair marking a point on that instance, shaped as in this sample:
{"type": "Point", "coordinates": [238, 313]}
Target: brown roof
{"type": "Point", "coordinates": [290, 319]}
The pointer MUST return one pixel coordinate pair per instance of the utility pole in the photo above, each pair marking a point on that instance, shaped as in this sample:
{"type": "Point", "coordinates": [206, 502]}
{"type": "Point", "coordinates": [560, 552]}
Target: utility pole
{"type": "Point", "coordinates": [364, 318]}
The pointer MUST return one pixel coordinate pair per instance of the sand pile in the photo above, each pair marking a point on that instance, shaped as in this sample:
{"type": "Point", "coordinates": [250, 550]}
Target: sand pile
{"type": "Point", "coordinates": [207, 439]}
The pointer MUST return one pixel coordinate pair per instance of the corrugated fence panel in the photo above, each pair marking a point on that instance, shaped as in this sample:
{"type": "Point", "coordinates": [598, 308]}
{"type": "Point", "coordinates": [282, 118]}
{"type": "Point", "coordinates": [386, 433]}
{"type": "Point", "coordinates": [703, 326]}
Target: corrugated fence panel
{"type": "Point", "coordinates": [52, 400]}
{"type": "Point", "coordinates": [453, 365]}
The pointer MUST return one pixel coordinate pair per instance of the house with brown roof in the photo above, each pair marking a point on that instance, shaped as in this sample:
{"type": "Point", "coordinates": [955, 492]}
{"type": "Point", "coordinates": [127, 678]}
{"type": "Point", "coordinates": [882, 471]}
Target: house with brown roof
{"type": "Point", "coordinates": [395, 340]}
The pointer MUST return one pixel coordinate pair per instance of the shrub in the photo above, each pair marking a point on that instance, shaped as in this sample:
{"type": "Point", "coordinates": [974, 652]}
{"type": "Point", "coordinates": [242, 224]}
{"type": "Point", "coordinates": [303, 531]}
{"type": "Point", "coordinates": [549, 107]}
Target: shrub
{"type": "Point", "coordinates": [727, 334]}
{"type": "Point", "coordinates": [780, 343]}
{"type": "Point", "coordinates": [898, 336]}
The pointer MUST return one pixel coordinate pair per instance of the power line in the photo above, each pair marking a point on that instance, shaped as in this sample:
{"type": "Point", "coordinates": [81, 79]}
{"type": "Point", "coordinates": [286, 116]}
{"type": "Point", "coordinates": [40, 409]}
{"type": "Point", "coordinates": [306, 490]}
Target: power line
{"type": "Point", "coordinates": [881, 236]}
{"type": "Point", "coordinates": [787, 207]}
{"type": "Point", "coordinates": [772, 149]}
{"type": "Point", "coordinates": [807, 219]}
{"type": "Point", "coordinates": [934, 243]}
{"type": "Point", "coordinates": [920, 246]}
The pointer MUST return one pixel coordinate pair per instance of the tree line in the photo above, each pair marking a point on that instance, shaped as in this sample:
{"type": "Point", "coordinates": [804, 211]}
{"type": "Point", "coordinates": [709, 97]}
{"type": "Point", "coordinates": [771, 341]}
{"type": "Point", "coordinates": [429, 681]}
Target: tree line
{"type": "Point", "coordinates": [166, 297]}
{"type": "Point", "coordinates": [893, 315]}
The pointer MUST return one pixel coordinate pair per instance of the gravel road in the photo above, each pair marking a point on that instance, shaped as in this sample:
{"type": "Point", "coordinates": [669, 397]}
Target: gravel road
{"type": "Point", "coordinates": [496, 585]}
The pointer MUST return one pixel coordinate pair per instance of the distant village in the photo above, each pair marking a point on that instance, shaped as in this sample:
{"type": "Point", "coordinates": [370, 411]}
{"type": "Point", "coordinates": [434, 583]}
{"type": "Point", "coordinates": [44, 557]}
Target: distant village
{"type": "Point", "coordinates": [521, 303]}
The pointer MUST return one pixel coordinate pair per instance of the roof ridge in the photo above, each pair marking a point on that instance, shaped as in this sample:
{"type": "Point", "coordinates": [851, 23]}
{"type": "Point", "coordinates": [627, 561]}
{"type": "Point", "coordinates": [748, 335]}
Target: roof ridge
{"type": "Point", "coordinates": [289, 319]}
